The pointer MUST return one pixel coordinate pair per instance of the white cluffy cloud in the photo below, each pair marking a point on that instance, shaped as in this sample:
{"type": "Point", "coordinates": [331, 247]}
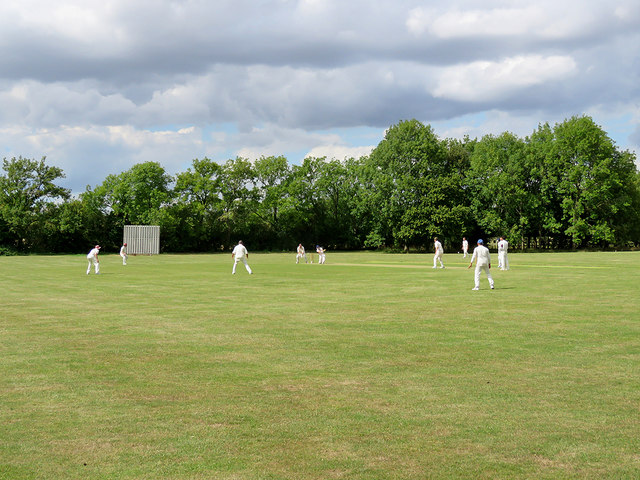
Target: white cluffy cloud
{"type": "Point", "coordinates": [485, 81]}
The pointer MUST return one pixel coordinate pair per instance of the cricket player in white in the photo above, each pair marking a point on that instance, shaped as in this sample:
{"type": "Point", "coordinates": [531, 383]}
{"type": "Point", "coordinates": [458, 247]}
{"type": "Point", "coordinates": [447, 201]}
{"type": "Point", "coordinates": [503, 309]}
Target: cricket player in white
{"type": "Point", "coordinates": [465, 247]}
{"type": "Point", "coordinates": [301, 254]}
{"type": "Point", "coordinates": [240, 254]}
{"type": "Point", "coordinates": [439, 251]}
{"type": "Point", "coordinates": [123, 254]}
{"type": "Point", "coordinates": [483, 262]}
{"type": "Point", "coordinates": [92, 258]}
{"type": "Point", "coordinates": [321, 254]}
{"type": "Point", "coordinates": [503, 260]}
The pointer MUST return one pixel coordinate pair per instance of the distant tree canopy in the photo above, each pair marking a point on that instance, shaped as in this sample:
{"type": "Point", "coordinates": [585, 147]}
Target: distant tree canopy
{"type": "Point", "coordinates": [565, 187]}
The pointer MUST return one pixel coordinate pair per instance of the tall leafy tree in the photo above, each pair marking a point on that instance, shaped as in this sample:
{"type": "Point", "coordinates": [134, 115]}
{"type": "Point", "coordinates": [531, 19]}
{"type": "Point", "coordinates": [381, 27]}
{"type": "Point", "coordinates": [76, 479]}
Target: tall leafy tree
{"type": "Point", "coordinates": [417, 187]}
{"type": "Point", "coordinates": [239, 198]}
{"type": "Point", "coordinates": [272, 176]}
{"type": "Point", "coordinates": [504, 198]}
{"type": "Point", "coordinates": [341, 188]}
{"type": "Point", "coordinates": [590, 179]}
{"type": "Point", "coordinates": [137, 195]}
{"type": "Point", "coordinates": [99, 222]}
{"type": "Point", "coordinates": [27, 189]}
{"type": "Point", "coordinates": [198, 206]}
{"type": "Point", "coordinates": [307, 210]}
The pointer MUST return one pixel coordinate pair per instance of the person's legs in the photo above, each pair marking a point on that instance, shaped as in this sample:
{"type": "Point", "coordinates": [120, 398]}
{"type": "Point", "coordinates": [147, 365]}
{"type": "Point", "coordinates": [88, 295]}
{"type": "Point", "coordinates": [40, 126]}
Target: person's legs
{"type": "Point", "coordinates": [96, 264]}
{"type": "Point", "coordinates": [235, 262]}
{"type": "Point", "coordinates": [246, 265]}
{"type": "Point", "coordinates": [489, 277]}
{"type": "Point", "coordinates": [506, 261]}
{"type": "Point", "coordinates": [88, 266]}
{"type": "Point", "coordinates": [476, 277]}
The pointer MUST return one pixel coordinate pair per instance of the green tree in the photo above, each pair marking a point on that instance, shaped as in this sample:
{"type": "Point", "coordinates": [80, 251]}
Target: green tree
{"type": "Point", "coordinates": [336, 186]}
{"type": "Point", "coordinates": [239, 199]}
{"type": "Point", "coordinates": [99, 222]}
{"type": "Point", "coordinates": [27, 190]}
{"type": "Point", "coordinates": [417, 187]}
{"type": "Point", "coordinates": [137, 195]}
{"type": "Point", "coordinates": [198, 207]}
{"type": "Point", "coordinates": [504, 194]}
{"type": "Point", "coordinates": [307, 205]}
{"type": "Point", "coordinates": [591, 181]}
{"type": "Point", "coordinates": [272, 176]}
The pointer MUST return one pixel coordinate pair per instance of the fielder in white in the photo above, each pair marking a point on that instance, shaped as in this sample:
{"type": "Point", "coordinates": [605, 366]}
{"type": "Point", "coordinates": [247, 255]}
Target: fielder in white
{"type": "Point", "coordinates": [321, 254]}
{"type": "Point", "coordinates": [439, 251]}
{"type": "Point", "coordinates": [465, 247]}
{"type": "Point", "coordinates": [92, 258]}
{"type": "Point", "coordinates": [483, 262]}
{"type": "Point", "coordinates": [301, 254]}
{"type": "Point", "coordinates": [240, 254]}
{"type": "Point", "coordinates": [123, 254]}
{"type": "Point", "coordinates": [503, 259]}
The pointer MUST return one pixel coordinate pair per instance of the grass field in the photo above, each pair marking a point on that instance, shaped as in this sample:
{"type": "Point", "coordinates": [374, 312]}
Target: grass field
{"type": "Point", "coordinates": [373, 366]}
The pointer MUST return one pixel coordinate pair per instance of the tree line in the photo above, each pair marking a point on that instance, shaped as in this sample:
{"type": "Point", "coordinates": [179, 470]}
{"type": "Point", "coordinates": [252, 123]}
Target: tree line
{"type": "Point", "coordinates": [565, 186]}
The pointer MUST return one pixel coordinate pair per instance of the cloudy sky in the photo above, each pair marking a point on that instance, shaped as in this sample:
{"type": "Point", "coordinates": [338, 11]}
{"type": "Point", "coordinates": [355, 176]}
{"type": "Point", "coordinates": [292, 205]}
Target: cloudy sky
{"type": "Point", "coordinates": [98, 86]}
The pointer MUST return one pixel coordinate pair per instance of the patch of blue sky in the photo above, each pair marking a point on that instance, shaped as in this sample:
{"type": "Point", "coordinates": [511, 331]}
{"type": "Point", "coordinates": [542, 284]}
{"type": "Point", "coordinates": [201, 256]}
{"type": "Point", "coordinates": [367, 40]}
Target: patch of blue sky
{"type": "Point", "coordinates": [620, 129]}
{"type": "Point", "coordinates": [211, 130]}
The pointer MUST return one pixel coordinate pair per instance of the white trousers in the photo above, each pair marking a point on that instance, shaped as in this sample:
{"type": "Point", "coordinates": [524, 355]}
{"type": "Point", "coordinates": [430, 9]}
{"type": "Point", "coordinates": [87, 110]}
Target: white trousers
{"type": "Point", "coordinates": [436, 257]}
{"type": "Point", "coordinates": [124, 259]}
{"type": "Point", "coordinates": [321, 258]}
{"type": "Point", "coordinates": [503, 261]}
{"type": "Point", "coordinates": [96, 265]}
{"type": "Point", "coordinates": [465, 250]}
{"type": "Point", "coordinates": [479, 269]}
{"type": "Point", "coordinates": [301, 255]}
{"type": "Point", "coordinates": [243, 260]}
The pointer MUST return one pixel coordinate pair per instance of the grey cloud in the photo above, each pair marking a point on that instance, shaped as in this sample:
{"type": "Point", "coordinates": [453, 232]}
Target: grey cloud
{"type": "Point", "coordinates": [294, 66]}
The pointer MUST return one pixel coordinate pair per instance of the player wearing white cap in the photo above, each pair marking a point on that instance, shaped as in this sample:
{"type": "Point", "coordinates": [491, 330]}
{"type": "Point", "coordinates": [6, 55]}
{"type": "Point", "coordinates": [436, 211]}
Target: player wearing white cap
{"type": "Point", "coordinates": [483, 262]}
{"type": "Point", "coordinates": [92, 258]}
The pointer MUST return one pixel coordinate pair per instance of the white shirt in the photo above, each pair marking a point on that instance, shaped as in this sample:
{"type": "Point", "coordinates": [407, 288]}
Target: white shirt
{"type": "Point", "coordinates": [93, 253]}
{"type": "Point", "coordinates": [465, 244]}
{"type": "Point", "coordinates": [482, 255]}
{"type": "Point", "coordinates": [301, 250]}
{"type": "Point", "coordinates": [438, 246]}
{"type": "Point", "coordinates": [240, 251]}
{"type": "Point", "coordinates": [123, 250]}
{"type": "Point", "coordinates": [504, 246]}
